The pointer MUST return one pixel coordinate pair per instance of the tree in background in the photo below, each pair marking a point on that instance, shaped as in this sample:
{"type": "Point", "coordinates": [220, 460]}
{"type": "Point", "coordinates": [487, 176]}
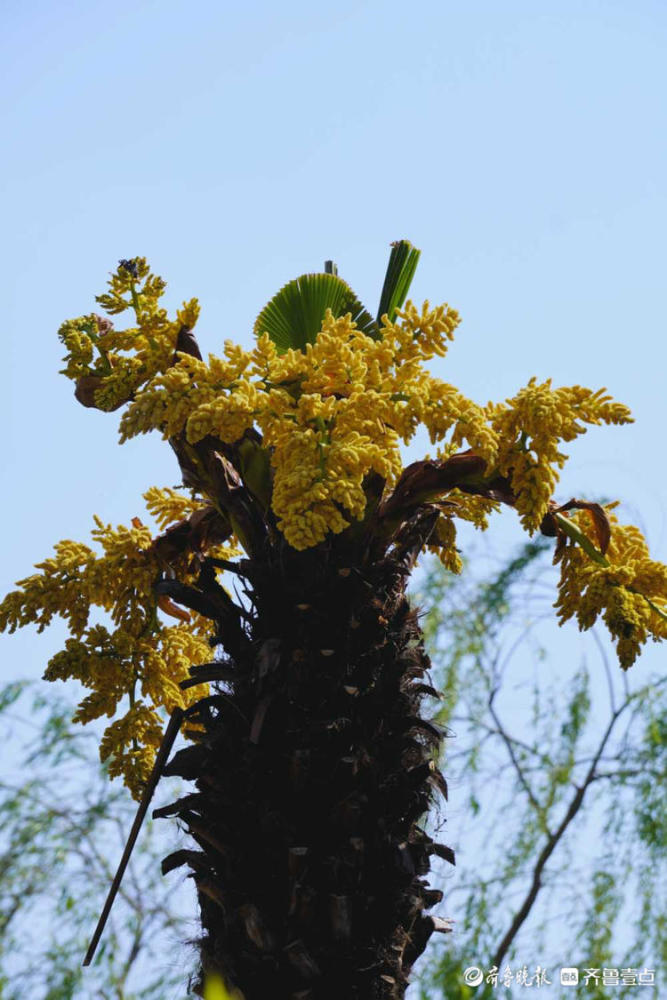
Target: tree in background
{"type": "Point", "coordinates": [59, 838]}
{"type": "Point", "coordinates": [313, 762]}
{"type": "Point", "coordinates": [559, 769]}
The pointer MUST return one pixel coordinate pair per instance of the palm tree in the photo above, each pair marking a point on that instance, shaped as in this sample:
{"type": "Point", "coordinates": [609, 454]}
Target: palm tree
{"type": "Point", "coordinates": [312, 754]}
{"type": "Point", "coordinates": [314, 765]}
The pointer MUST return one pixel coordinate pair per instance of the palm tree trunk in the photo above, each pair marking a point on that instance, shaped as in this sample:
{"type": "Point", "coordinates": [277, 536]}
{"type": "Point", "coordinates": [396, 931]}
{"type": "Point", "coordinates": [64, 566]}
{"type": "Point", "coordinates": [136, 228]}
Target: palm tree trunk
{"type": "Point", "coordinates": [313, 767]}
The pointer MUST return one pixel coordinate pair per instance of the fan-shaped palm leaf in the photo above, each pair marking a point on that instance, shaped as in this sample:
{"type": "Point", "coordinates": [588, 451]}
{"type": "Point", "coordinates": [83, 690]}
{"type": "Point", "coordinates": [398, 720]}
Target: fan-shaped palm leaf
{"type": "Point", "coordinates": [293, 317]}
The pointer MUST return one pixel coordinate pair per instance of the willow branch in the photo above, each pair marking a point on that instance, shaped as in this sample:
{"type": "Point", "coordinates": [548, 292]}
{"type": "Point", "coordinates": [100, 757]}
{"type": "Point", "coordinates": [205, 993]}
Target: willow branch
{"type": "Point", "coordinates": [517, 765]}
{"type": "Point", "coordinates": [554, 839]}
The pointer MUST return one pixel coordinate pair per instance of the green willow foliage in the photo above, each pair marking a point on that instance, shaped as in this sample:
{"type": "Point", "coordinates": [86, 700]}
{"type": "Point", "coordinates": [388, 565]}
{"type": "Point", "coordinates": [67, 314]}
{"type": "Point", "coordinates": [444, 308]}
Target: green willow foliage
{"type": "Point", "coordinates": [557, 774]}
{"type": "Point", "coordinates": [62, 829]}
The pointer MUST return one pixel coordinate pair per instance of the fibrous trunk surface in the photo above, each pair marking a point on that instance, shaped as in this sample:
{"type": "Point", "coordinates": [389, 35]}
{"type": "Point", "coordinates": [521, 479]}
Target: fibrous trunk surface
{"type": "Point", "coordinates": [313, 768]}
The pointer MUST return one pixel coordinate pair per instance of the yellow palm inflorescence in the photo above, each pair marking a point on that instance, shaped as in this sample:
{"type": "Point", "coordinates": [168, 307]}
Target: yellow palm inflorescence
{"type": "Point", "coordinates": [329, 415]}
{"type": "Point", "coordinates": [627, 588]}
{"type": "Point", "coordinates": [135, 654]}
{"type": "Point", "coordinates": [530, 428]}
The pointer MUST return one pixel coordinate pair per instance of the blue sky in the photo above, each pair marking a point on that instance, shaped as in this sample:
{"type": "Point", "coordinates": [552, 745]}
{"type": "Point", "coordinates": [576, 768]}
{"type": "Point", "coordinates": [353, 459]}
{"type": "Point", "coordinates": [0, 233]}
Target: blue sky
{"type": "Point", "coordinates": [521, 146]}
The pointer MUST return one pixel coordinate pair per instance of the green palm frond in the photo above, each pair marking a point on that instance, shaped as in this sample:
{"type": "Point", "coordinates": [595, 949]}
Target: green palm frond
{"type": "Point", "coordinates": [293, 317]}
{"type": "Point", "coordinates": [401, 268]}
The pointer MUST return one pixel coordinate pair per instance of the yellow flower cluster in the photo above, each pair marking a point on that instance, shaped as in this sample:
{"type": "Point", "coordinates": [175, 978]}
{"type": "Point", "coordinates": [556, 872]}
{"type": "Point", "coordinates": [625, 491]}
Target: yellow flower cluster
{"type": "Point", "coordinates": [190, 391]}
{"type": "Point", "coordinates": [96, 350]}
{"type": "Point", "coordinates": [329, 415]}
{"type": "Point", "coordinates": [339, 409]}
{"type": "Point", "coordinates": [530, 426]}
{"type": "Point", "coordinates": [166, 505]}
{"type": "Point", "coordinates": [421, 335]}
{"type": "Point", "coordinates": [629, 592]}
{"type": "Point", "coordinates": [140, 653]}
{"type": "Point", "coordinates": [443, 544]}
{"type": "Point", "coordinates": [130, 745]}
